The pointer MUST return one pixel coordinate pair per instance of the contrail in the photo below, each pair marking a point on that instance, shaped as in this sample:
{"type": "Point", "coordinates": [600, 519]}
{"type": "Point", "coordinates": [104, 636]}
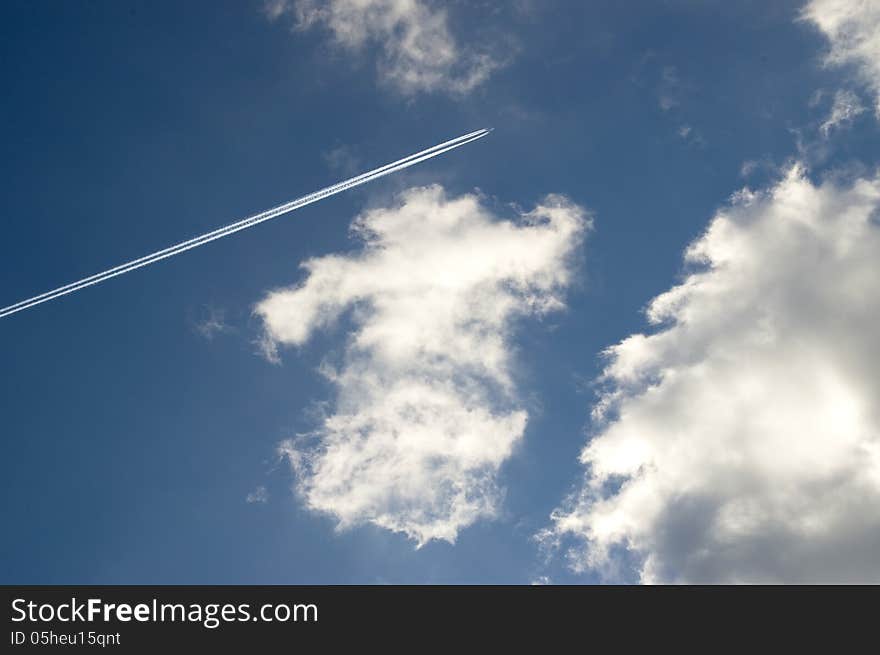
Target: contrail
{"type": "Point", "coordinates": [245, 223]}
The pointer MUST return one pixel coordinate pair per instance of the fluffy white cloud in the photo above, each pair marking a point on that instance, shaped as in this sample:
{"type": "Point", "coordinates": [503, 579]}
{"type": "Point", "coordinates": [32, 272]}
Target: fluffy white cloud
{"type": "Point", "coordinates": [741, 441]}
{"type": "Point", "coordinates": [426, 409]}
{"type": "Point", "coordinates": [853, 29]}
{"type": "Point", "coordinates": [419, 53]}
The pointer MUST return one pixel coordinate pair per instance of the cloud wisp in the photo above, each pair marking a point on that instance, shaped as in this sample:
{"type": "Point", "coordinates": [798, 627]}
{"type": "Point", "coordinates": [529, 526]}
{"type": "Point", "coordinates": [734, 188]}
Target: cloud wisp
{"type": "Point", "coordinates": [418, 51]}
{"type": "Point", "coordinates": [212, 323]}
{"type": "Point", "coordinates": [741, 441]}
{"type": "Point", "coordinates": [246, 223]}
{"type": "Point", "coordinates": [426, 408]}
{"type": "Point", "coordinates": [853, 30]}
{"type": "Point", "coordinates": [845, 108]}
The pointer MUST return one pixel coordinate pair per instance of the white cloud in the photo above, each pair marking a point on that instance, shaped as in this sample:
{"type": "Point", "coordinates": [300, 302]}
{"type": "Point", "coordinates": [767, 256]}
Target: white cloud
{"type": "Point", "coordinates": [426, 409]}
{"type": "Point", "coordinates": [853, 29]}
{"type": "Point", "coordinates": [419, 53]}
{"type": "Point", "coordinates": [741, 441]}
{"type": "Point", "coordinates": [844, 109]}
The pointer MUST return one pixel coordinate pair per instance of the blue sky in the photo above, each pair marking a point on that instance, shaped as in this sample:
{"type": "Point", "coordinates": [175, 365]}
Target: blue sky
{"type": "Point", "coordinates": [133, 433]}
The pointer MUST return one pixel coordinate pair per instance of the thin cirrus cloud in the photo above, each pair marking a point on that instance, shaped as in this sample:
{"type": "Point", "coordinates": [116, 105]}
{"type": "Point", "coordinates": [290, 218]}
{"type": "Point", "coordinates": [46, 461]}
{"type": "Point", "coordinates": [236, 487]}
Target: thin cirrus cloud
{"type": "Point", "coordinates": [419, 53]}
{"type": "Point", "coordinates": [425, 409]}
{"type": "Point", "coordinates": [845, 108]}
{"type": "Point", "coordinates": [853, 30]}
{"type": "Point", "coordinates": [741, 441]}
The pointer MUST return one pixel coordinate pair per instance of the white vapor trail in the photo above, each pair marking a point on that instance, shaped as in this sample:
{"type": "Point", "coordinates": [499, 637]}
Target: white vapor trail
{"type": "Point", "coordinates": [245, 223]}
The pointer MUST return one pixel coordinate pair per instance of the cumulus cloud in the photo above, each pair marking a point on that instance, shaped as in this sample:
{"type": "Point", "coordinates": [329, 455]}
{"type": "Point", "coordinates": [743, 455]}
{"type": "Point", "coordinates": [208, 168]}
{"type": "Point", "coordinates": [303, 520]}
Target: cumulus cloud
{"type": "Point", "coordinates": [740, 442]}
{"type": "Point", "coordinates": [853, 30]}
{"type": "Point", "coordinates": [426, 410]}
{"type": "Point", "coordinates": [419, 53]}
